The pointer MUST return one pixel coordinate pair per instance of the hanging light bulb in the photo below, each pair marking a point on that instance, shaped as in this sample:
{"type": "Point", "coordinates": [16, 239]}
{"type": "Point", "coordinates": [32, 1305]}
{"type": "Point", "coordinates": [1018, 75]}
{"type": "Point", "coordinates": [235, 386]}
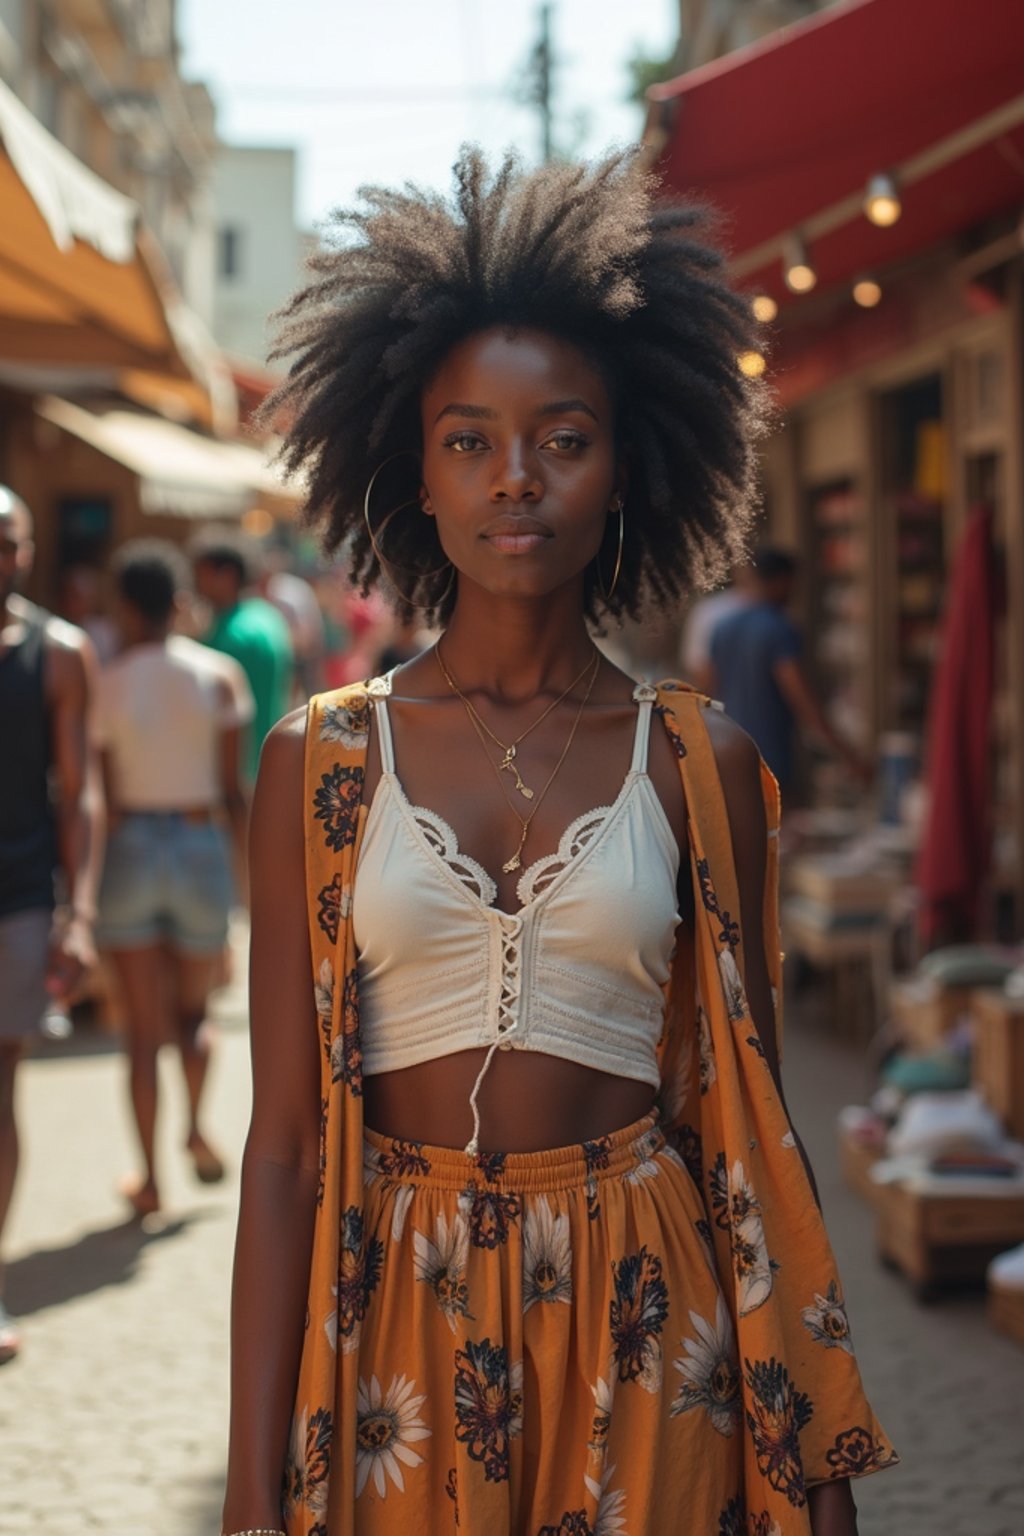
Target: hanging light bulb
{"type": "Point", "coordinates": [882, 201]}
{"type": "Point", "coordinates": [257, 522]}
{"type": "Point", "coordinates": [752, 364]}
{"type": "Point", "coordinates": [867, 292]}
{"type": "Point", "coordinates": [764, 307]}
{"type": "Point", "coordinates": [800, 276]}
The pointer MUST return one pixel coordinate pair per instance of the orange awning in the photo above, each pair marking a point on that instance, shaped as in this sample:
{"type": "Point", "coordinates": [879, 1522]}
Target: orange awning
{"type": "Point", "coordinates": [81, 284]}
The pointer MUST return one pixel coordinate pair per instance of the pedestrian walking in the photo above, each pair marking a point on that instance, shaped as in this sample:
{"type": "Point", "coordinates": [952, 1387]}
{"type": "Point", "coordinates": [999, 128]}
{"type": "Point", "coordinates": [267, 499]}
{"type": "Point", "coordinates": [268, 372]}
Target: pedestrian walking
{"type": "Point", "coordinates": [170, 719]}
{"type": "Point", "coordinates": [296, 601]}
{"type": "Point", "coordinates": [702, 618]}
{"type": "Point", "coordinates": [527, 1243]}
{"type": "Point", "coordinates": [245, 626]}
{"type": "Point", "coordinates": [51, 824]}
{"type": "Point", "coordinates": [758, 675]}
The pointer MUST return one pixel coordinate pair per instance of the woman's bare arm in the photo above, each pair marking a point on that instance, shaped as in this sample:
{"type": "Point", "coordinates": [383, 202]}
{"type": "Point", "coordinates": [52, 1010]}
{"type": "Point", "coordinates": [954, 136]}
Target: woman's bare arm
{"type": "Point", "coordinates": [831, 1505]}
{"type": "Point", "coordinates": [281, 1160]}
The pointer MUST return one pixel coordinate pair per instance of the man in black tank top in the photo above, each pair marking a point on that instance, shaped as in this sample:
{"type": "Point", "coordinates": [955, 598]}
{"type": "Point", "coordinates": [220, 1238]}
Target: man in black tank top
{"type": "Point", "coordinates": [50, 825]}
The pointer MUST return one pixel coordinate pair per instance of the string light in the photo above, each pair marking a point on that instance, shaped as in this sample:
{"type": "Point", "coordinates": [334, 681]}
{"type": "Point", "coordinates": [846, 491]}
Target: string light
{"type": "Point", "coordinates": [867, 292]}
{"type": "Point", "coordinates": [882, 201]}
{"type": "Point", "coordinates": [800, 276]}
{"type": "Point", "coordinates": [764, 307]}
{"type": "Point", "coordinates": [752, 364]}
{"type": "Point", "coordinates": [257, 522]}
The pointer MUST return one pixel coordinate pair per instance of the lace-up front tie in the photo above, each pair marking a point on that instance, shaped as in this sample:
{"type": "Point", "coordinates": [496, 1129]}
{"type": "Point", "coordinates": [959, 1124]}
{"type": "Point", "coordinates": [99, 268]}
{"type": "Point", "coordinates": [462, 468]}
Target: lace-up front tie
{"type": "Point", "coordinates": [577, 972]}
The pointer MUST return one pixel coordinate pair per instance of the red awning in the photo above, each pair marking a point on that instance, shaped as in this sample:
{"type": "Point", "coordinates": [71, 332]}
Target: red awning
{"type": "Point", "coordinates": [783, 136]}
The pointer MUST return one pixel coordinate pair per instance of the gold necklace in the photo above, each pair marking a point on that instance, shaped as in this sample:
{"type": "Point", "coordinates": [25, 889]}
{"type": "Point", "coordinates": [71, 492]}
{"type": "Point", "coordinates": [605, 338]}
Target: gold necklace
{"type": "Point", "coordinates": [516, 861]}
{"type": "Point", "coordinates": [508, 763]}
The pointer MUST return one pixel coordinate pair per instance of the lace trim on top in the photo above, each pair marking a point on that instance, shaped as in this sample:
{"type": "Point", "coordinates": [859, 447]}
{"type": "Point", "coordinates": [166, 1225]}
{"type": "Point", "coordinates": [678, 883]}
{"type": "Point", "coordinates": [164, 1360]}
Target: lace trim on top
{"type": "Point", "coordinates": [542, 873]}
{"type": "Point", "coordinates": [535, 879]}
{"type": "Point", "coordinates": [442, 839]}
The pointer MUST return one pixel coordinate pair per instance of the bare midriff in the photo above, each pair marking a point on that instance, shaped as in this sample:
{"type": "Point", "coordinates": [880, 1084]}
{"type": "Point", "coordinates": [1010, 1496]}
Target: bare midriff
{"type": "Point", "coordinates": [528, 1102]}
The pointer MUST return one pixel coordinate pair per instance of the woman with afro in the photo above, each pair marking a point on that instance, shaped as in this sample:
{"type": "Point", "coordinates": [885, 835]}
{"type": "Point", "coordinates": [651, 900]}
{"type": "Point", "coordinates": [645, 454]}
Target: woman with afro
{"type": "Point", "coordinates": [527, 1245]}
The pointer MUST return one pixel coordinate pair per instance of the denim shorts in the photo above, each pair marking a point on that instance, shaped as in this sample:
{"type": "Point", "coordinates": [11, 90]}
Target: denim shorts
{"type": "Point", "coordinates": [24, 954]}
{"type": "Point", "coordinates": [168, 880]}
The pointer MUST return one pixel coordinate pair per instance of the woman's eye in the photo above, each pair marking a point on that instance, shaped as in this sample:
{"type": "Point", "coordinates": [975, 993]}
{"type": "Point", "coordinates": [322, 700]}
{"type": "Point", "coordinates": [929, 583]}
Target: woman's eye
{"type": "Point", "coordinates": [565, 441]}
{"type": "Point", "coordinates": [463, 442]}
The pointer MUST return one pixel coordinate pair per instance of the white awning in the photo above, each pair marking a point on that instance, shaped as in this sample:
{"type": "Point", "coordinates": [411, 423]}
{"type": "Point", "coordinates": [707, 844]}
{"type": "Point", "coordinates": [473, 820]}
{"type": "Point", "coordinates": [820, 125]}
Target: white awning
{"type": "Point", "coordinates": [83, 284]}
{"type": "Point", "coordinates": [181, 473]}
{"type": "Point", "coordinates": [75, 202]}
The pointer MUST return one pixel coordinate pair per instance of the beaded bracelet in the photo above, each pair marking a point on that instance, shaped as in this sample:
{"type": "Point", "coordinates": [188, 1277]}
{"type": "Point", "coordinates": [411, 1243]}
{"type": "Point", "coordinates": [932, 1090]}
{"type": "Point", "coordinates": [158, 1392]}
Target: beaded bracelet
{"type": "Point", "coordinates": [258, 1530]}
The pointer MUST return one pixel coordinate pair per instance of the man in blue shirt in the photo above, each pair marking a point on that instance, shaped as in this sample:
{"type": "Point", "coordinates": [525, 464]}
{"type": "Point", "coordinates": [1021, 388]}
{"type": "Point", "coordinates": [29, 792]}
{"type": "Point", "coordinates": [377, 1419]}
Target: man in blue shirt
{"type": "Point", "coordinates": [755, 652]}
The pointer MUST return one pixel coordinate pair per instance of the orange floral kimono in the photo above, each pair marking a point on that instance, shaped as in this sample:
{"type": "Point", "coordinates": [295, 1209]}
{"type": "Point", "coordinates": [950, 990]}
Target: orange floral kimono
{"type": "Point", "coordinates": [399, 1378]}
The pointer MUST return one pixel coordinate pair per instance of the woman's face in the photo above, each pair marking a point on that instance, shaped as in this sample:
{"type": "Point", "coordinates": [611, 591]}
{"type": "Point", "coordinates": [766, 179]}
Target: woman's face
{"type": "Point", "coordinates": [519, 464]}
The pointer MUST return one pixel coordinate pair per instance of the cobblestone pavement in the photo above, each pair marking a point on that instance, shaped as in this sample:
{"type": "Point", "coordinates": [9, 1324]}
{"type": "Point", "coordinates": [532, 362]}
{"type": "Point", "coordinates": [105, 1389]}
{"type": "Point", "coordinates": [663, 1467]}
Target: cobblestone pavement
{"type": "Point", "coordinates": [114, 1419]}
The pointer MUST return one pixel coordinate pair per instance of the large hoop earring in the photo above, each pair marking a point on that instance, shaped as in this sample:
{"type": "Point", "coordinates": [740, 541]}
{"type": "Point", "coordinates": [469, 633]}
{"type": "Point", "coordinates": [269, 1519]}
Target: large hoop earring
{"type": "Point", "coordinates": [606, 594]}
{"type": "Point", "coordinates": [387, 566]}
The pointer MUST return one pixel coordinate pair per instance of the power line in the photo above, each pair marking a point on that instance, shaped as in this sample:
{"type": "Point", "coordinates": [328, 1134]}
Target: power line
{"type": "Point", "coordinates": [343, 97]}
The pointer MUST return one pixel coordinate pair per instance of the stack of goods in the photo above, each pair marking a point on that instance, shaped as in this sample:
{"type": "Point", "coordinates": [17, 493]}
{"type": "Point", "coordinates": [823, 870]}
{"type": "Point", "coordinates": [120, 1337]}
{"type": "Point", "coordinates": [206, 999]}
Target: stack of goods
{"type": "Point", "coordinates": [943, 1163]}
{"type": "Point", "coordinates": [841, 892]}
{"type": "Point", "coordinates": [837, 914]}
{"type": "Point", "coordinates": [950, 1190]}
{"type": "Point", "coordinates": [933, 1013]}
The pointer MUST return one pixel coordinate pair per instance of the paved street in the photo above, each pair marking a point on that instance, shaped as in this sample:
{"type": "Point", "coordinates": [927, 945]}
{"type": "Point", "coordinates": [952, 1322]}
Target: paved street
{"type": "Point", "coordinates": [114, 1419]}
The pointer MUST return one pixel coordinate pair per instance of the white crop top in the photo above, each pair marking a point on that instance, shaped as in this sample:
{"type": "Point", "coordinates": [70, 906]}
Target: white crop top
{"type": "Point", "coordinates": [577, 972]}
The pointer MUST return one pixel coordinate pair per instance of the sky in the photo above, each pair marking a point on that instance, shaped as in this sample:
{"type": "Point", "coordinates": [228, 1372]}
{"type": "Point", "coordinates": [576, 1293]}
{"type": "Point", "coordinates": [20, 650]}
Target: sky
{"type": "Point", "coordinates": [386, 90]}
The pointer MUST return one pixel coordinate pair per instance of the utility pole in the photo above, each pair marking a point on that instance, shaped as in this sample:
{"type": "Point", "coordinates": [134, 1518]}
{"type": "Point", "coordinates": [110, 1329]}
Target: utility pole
{"type": "Point", "coordinates": [540, 64]}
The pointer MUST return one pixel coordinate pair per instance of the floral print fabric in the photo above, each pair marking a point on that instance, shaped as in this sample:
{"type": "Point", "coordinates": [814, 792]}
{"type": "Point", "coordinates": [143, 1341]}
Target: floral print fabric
{"type": "Point", "coordinates": [656, 1345]}
{"type": "Point", "coordinates": [540, 1402]}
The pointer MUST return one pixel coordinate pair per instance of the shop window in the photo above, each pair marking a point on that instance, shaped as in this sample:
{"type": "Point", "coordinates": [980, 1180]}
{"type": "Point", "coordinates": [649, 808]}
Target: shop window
{"type": "Point", "coordinates": [230, 257]}
{"type": "Point", "coordinates": [986, 388]}
{"type": "Point", "coordinates": [985, 483]}
{"type": "Point", "coordinates": [915, 490]}
{"type": "Point", "coordinates": [838, 596]}
{"type": "Point", "coordinates": [84, 526]}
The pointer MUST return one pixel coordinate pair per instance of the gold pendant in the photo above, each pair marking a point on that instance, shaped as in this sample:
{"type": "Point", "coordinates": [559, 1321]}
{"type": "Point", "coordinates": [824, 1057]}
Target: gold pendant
{"type": "Point", "coordinates": [512, 864]}
{"type": "Point", "coordinates": [508, 765]}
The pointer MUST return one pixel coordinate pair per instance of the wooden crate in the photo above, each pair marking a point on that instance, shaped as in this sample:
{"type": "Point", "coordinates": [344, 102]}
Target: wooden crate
{"type": "Point", "coordinates": [997, 1069]}
{"type": "Point", "coordinates": [923, 1017]}
{"type": "Point", "coordinates": [856, 1161]}
{"type": "Point", "coordinates": [939, 1239]}
{"type": "Point", "coordinates": [1006, 1311]}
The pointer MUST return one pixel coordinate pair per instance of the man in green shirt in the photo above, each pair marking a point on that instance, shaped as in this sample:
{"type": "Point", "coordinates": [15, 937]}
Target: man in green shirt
{"type": "Point", "coordinates": [245, 626]}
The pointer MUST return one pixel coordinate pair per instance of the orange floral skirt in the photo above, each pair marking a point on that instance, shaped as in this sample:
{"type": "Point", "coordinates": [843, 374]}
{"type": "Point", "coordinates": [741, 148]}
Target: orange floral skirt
{"type": "Point", "coordinates": [546, 1350]}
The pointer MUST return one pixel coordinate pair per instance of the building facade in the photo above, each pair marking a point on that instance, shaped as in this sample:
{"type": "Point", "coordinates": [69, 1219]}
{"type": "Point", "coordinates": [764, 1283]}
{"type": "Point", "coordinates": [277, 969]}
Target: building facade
{"type": "Point", "coordinates": [259, 249]}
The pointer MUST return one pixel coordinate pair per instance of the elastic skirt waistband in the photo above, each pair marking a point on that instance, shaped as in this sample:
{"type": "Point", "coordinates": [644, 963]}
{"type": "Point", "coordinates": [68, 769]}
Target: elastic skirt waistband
{"type": "Point", "coordinates": [582, 1163]}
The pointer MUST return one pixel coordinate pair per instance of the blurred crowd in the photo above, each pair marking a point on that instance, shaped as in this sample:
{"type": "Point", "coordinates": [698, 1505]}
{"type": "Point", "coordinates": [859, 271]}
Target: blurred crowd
{"type": "Point", "coordinates": [132, 716]}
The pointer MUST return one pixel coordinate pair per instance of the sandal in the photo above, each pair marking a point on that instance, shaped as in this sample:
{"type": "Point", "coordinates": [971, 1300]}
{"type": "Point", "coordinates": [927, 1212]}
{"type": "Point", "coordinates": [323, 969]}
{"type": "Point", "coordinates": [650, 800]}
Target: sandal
{"type": "Point", "coordinates": [209, 1169]}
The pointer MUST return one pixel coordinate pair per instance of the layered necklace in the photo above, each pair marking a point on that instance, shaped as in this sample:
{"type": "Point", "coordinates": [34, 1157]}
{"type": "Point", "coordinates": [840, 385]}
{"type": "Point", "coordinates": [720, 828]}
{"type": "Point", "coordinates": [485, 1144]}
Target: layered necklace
{"type": "Point", "coordinates": [508, 762]}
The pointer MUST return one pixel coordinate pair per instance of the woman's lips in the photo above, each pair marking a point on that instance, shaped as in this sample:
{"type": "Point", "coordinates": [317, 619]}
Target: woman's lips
{"type": "Point", "coordinates": [520, 534]}
{"type": "Point", "coordinates": [516, 543]}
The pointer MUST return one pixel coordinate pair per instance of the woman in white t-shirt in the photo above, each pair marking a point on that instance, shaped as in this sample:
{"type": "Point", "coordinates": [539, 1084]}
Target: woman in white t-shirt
{"type": "Point", "coordinates": [171, 716]}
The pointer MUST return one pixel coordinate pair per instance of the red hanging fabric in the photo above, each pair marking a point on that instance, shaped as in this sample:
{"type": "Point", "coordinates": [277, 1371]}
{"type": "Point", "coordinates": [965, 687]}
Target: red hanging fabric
{"type": "Point", "coordinates": [955, 851]}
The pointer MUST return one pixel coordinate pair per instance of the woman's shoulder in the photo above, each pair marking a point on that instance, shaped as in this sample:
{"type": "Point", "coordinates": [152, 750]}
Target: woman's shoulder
{"type": "Point", "coordinates": [736, 754]}
{"type": "Point", "coordinates": [282, 757]}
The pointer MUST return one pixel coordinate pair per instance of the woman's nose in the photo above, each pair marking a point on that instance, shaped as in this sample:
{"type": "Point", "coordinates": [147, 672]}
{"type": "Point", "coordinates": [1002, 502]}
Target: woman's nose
{"type": "Point", "coordinates": [516, 478]}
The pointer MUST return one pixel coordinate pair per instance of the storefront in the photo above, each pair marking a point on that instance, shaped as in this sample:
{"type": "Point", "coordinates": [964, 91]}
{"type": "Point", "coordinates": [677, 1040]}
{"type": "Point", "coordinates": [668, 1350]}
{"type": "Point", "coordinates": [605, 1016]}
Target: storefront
{"type": "Point", "coordinates": [895, 346]}
{"type": "Point", "coordinates": [117, 413]}
{"type": "Point", "coordinates": [98, 476]}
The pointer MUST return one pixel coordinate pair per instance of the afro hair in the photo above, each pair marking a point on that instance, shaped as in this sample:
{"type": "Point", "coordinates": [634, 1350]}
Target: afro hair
{"type": "Point", "coordinates": [591, 254]}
